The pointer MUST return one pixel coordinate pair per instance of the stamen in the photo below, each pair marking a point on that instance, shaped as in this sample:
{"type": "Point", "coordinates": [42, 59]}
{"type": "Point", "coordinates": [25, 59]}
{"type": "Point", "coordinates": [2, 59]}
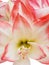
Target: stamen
{"type": "Point", "coordinates": [23, 52]}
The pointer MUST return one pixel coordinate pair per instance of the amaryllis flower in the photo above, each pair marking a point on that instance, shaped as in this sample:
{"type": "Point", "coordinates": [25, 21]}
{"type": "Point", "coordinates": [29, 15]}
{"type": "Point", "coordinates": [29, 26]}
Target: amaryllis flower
{"type": "Point", "coordinates": [24, 34]}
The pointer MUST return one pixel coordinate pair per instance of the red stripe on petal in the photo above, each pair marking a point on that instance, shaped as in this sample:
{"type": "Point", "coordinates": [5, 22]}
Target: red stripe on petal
{"type": "Point", "coordinates": [26, 10]}
{"type": "Point", "coordinates": [45, 61]}
{"type": "Point", "coordinates": [42, 21]}
{"type": "Point", "coordinates": [35, 2]}
{"type": "Point", "coordinates": [44, 55]}
{"type": "Point", "coordinates": [47, 2]}
{"type": "Point", "coordinates": [4, 25]}
{"type": "Point", "coordinates": [19, 19]}
{"type": "Point", "coordinates": [7, 59]}
{"type": "Point", "coordinates": [24, 21]}
{"type": "Point", "coordinates": [4, 58]}
{"type": "Point", "coordinates": [47, 32]}
{"type": "Point", "coordinates": [5, 51]}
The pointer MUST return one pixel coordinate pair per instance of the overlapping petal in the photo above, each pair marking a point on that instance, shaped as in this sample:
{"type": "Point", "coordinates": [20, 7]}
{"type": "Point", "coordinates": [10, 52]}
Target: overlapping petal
{"type": "Point", "coordinates": [37, 52]}
{"type": "Point", "coordinates": [40, 6]}
{"type": "Point", "coordinates": [46, 51]}
{"type": "Point", "coordinates": [5, 31]}
{"type": "Point", "coordinates": [21, 9]}
{"type": "Point", "coordinates": [5, 27]}
{"type": "Point", "coordinates": [11, 54]}
{"type": "Point", "coordinates": [4, 11]}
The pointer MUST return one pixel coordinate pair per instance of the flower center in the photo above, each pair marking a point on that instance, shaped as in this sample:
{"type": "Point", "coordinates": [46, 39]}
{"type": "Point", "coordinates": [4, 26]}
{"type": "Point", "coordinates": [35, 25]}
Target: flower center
{"type": "Point", "coordinates": [23, 43]}
{"type": "Point", "coordinates": [24, 49]}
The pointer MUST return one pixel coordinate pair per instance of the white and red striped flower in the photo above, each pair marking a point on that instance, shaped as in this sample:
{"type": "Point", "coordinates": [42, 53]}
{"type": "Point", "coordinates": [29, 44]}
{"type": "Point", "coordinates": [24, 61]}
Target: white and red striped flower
{"type": "Point", "coordinates": [24, 31]}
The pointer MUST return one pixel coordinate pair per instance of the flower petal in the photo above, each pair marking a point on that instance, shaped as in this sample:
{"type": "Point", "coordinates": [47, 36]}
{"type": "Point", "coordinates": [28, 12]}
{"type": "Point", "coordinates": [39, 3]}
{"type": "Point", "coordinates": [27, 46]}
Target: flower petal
{"type": "Point", "coordinates": [40, 12]}
{"type": "Point", "coordinates": [47, 31]}
{"type": "Point", "coordinates": [23, 10]}
{"type": "Point", "coordinates": [3, 42]}
{"type": "Point", "coordinates": [36, 52]}
{"type": "Point", "coordinates": [22, 62]}
{"type": "Point", "coordinates": [42, 38]}
{"type": "Point", "coordinates": [11, 54]}
{"type": "Point", "coordinates": [1, 52]}
{"type": "Point", "coordinates": [41, 8]}
{"type": "Point", "coordinates": [4, 11]}
{"type": "Point", "coordinates": [45, 60]}
{"type": "Point", "coordinates": [42, 21]}
{"type": "Point", "coordinates": [3, 39]}
{"type": "Point", "coordinates": [5, 27]}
